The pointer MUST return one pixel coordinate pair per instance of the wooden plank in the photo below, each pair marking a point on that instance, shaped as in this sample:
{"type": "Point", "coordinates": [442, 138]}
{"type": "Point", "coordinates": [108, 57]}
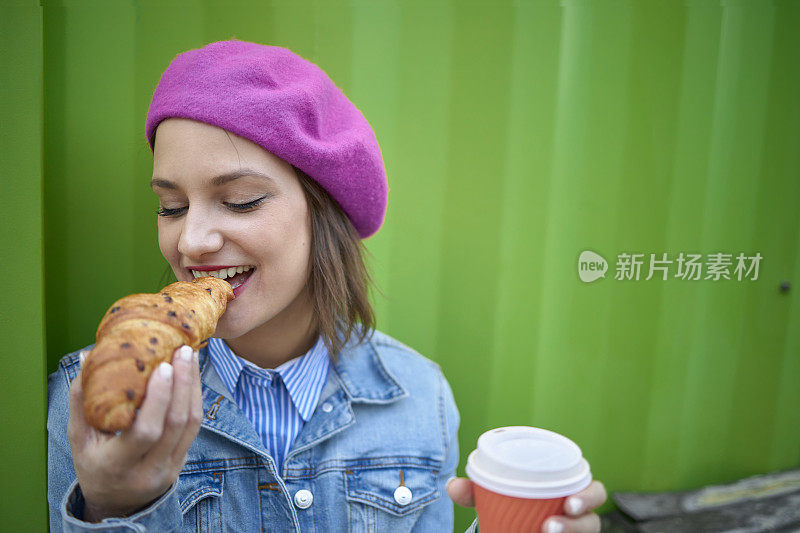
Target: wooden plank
{"type": "Point", "coordinates": [647, 506]}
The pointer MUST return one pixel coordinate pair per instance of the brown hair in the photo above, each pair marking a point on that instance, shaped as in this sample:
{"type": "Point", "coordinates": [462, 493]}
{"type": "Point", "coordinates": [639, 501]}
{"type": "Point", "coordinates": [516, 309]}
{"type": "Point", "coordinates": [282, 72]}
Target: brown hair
{"type": "Point", "coordinates": [339, 281]}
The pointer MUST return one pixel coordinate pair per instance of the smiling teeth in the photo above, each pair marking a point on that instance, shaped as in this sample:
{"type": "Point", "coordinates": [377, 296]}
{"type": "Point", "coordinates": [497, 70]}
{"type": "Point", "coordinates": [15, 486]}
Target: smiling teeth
{"type": "Point", "coordinates": [223, 273]}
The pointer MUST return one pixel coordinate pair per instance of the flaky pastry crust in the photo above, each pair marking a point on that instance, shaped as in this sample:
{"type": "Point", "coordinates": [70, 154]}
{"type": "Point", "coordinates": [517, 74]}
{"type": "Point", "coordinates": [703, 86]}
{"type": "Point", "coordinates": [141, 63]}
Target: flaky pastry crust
{"type": "Point", "coordinates": [138, 333]}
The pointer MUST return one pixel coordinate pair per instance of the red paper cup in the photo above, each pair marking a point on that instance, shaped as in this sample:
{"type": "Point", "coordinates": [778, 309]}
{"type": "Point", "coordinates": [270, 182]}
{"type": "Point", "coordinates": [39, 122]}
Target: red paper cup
{"type": "Point", "coordinates": [522, 476]}
{"type": "Point", "coordinates": [498, 513]}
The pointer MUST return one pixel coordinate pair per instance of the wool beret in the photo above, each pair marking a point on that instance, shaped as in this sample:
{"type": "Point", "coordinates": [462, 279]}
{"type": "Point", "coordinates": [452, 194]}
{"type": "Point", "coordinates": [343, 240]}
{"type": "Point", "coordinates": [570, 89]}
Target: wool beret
{"type": "Point", "coordinates": [288, 106]}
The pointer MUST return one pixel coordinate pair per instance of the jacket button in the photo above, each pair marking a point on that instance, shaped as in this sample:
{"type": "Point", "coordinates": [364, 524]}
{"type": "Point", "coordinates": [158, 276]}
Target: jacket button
{"type": "Point", "coordinates": [327, 407]}
{"type": "Point", "coordinates": [402, 495]}
{"type": "Point", "coordinates": [303, 498]}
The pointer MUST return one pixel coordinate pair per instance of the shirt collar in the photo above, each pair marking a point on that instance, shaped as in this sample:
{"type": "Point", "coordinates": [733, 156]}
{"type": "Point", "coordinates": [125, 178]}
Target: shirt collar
{"type": "Point", "coordinates": [303, 376]}
{"type": "Point", "coordinates": [359, 370]}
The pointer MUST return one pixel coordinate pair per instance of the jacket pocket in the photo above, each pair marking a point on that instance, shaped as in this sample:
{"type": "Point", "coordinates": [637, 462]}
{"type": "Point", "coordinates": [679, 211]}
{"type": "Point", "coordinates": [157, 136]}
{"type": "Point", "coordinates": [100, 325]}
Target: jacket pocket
{"type": "Point", "coordinates": [199, 495]}
{"type": "Point", "coordinates": [388, 498]}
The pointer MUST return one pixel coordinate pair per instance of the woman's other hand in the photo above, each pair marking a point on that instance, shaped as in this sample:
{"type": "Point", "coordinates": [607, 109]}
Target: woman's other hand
{"type": "Point", "coordinates": [123, 473]}
{"type": "Point", "coordinates": [578, 517]}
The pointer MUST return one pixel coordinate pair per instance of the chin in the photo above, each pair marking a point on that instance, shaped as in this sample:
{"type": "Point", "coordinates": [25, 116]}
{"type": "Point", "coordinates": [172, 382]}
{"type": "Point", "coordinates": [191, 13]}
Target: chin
{"type": "Point", "coordinates": [232, 326]}
{"type": "Point", "coordinates": [224, 331]}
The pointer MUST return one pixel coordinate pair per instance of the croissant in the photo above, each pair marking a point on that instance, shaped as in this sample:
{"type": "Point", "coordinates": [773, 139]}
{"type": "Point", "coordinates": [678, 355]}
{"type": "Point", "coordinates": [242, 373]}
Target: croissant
{"type": "Point", "coordinates": [138, 333]}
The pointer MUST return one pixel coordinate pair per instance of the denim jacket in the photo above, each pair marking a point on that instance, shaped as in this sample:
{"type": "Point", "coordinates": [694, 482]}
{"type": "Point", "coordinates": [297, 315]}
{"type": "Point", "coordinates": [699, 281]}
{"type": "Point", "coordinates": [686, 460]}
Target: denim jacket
{"type": "Point", "coordinates": [374, 457]}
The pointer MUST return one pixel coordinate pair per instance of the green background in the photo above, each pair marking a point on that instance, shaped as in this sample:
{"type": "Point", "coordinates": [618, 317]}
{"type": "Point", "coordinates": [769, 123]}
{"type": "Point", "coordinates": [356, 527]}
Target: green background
{"type": "Point", "coordinates": [515, 136]}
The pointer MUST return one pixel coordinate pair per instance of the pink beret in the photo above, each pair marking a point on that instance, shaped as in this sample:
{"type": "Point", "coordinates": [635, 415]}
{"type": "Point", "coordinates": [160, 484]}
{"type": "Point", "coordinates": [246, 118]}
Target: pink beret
{"type": "Point", "coordinates": [287, 105]}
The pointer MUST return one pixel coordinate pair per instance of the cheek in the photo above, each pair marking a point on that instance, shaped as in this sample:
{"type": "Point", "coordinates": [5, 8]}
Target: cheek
{"type": "Point", "coordinates": [300, 230]}
{"type": "Point", "coordinates": [286, 246]}
{"type": "Point", "coordinates": [162, 240]}
{"type": "Point", "coordinates": [167, 242]}
{"type": "Point", "coordinates": [286, 249]}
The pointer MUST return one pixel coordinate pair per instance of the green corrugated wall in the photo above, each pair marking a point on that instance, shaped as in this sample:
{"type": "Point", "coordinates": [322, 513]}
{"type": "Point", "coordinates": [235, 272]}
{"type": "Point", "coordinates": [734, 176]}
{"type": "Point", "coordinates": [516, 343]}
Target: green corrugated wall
{"type": "Point", "coordinates": [515, 135]}
{"type": "Point", "coordinates": [23, 468]}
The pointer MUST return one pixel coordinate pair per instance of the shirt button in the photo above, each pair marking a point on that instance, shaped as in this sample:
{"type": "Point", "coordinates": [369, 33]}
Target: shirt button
{"type": "Point", "coordinates": [327, 407]}
{"type": "Point", "coordinates": [402, 495]}
{"type": "Point", "coordinates": [303, 498]}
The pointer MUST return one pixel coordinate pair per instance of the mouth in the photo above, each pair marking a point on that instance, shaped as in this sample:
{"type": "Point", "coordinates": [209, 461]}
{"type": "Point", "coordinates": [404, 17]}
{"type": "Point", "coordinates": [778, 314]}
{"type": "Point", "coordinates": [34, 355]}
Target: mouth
{"type": "Point", "coordinates": [235, 275]}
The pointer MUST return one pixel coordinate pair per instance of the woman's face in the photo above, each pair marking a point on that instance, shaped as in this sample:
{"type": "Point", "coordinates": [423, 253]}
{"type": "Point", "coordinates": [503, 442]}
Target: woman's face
{"type": "Point", "coordinates": [193, 165]}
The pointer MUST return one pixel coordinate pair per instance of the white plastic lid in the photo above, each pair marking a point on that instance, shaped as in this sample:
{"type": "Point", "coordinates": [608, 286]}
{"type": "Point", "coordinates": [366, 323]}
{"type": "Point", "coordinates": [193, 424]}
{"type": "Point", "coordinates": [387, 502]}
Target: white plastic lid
{"type": "Point", "coordinates": [528, 462]}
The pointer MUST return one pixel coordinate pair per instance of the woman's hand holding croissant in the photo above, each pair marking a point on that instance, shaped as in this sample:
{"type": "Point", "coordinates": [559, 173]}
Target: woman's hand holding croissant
{"type": "Point", "coordinates": [124, 473]}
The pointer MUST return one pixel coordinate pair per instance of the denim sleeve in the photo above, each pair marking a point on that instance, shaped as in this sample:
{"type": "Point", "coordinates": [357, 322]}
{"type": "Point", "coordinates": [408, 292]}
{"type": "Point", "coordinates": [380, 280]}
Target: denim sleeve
{"type": "Point", "coordinates": [60, 472]}
{"type": "Point", "coordinates": [64, 497]}
{"type": "Point", "coordinates": [438, 516]}
{"type": "Point", "coordinates": [163, 515]}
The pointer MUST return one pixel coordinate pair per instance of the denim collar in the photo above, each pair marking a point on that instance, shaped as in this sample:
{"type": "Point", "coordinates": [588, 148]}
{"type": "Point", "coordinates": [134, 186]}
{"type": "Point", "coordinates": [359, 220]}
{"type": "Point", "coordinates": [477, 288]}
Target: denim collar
{"type": "Point", "coordinates": [364, 376]}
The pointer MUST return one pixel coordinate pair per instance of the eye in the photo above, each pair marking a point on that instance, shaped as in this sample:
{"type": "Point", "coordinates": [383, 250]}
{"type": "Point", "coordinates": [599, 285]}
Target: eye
{"type": "Point", "coordinates": [166, 212]}
{"type": "Point", "coordinates": [247, 206]}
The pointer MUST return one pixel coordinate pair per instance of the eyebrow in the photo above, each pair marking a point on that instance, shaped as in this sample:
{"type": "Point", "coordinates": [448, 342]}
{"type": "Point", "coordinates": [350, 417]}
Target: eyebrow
{"type": "Point", "coordinates": [217, 181]}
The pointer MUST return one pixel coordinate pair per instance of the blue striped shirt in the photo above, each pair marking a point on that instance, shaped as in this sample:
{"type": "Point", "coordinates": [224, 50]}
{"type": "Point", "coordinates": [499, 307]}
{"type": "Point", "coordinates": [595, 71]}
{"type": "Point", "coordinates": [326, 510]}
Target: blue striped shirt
{"type": "Point", "coordinates": [277, 401]}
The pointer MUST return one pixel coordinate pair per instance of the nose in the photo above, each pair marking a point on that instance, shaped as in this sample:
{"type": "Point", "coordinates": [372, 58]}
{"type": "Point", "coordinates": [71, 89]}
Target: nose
{"type": "Point", "coordinates": [200, 234]}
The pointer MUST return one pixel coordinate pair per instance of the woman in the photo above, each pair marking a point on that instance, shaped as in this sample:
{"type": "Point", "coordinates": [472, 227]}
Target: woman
{"type": "Point", "coordinates": [298, 415]}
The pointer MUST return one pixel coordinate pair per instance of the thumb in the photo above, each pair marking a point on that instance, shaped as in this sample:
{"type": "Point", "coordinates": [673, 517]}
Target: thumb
{"type": "Point", "coordinates": [460, 491]}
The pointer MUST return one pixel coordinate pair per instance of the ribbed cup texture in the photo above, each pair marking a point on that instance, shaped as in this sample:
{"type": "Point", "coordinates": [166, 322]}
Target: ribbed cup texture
{"type": "Point", "coordinates": [506, 514]}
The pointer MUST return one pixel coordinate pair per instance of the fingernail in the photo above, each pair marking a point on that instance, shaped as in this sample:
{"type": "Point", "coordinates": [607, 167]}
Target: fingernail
{"type": "Point", "coordinates": [554, 527]}
{"type": "Point", "coordinates": [574, 505]}
{"type": "Point", "coordinates": [165, 371]}
{"type": "Point", "coordinates": [447, 483]}
{"type": "Point", "coordinates": [185, 353]}
{"type": "Point", "coordinates": [81, 357]}
{"type": "Point", "coordinates": [195, 356]}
